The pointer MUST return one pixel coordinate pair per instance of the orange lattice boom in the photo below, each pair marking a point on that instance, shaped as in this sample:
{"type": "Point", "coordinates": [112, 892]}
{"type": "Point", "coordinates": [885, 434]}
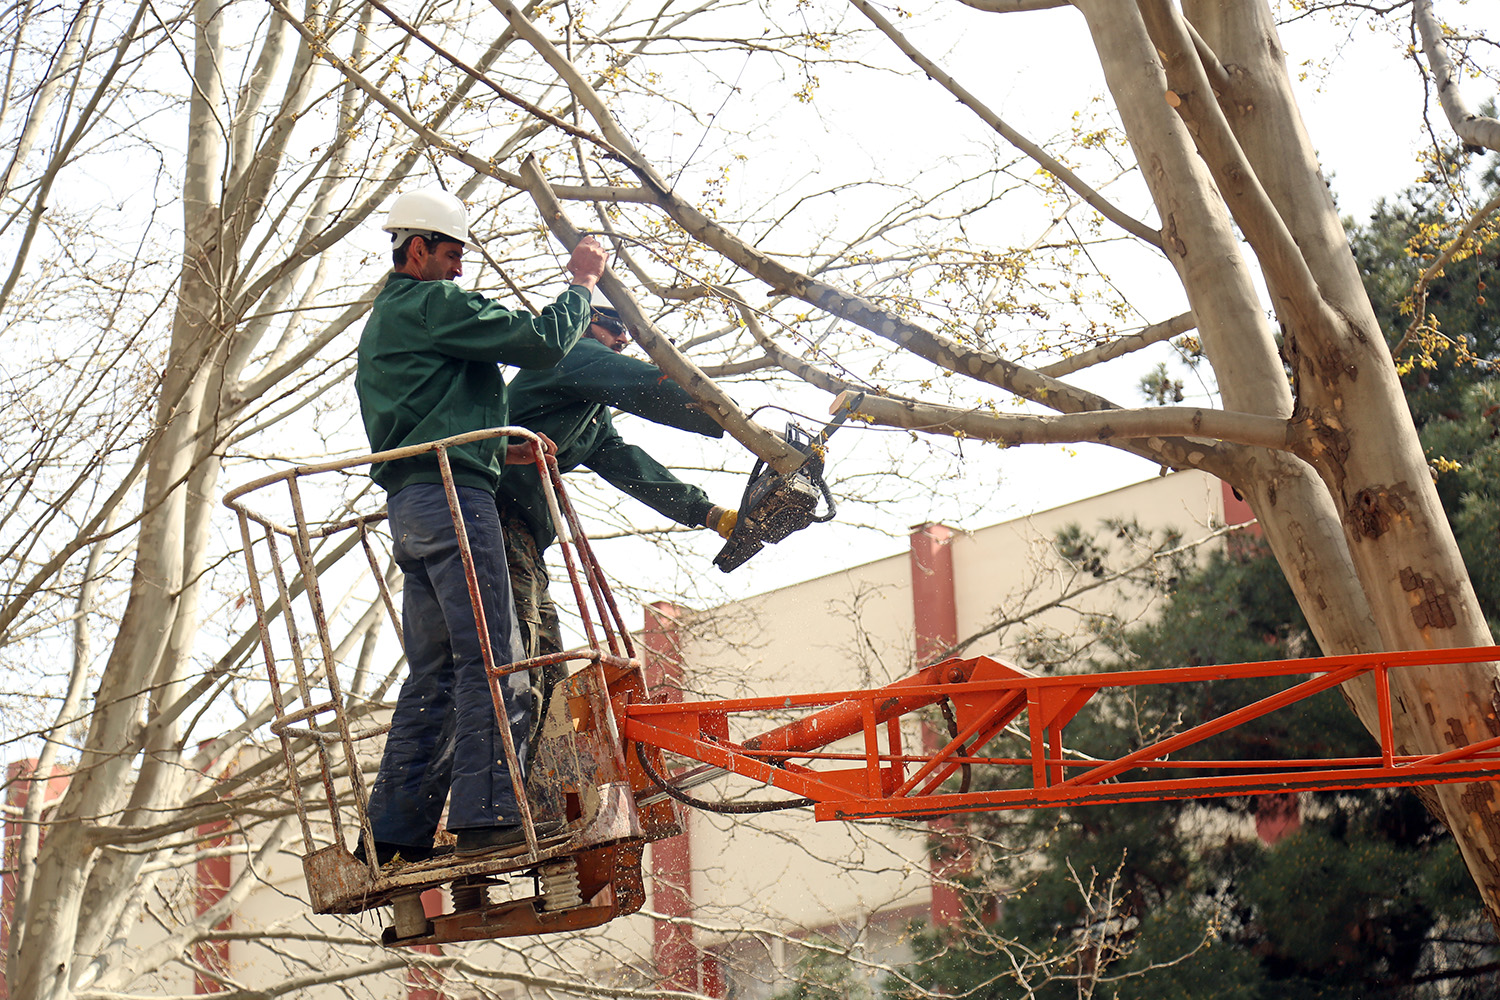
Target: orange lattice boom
{"type": "Point", "coordinates": [988, 697]}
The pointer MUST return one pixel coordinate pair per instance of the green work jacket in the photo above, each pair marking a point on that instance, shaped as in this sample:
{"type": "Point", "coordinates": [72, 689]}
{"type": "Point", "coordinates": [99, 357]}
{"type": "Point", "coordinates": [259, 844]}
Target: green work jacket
{"type": "Point", "coordinates": [429, 368]}
{"type": "Point", "coordinates": [571, 403]}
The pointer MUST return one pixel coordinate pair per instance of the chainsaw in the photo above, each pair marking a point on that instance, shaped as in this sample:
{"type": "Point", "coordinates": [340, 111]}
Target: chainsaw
{"type": "Point", "coordinates": [777, 504]}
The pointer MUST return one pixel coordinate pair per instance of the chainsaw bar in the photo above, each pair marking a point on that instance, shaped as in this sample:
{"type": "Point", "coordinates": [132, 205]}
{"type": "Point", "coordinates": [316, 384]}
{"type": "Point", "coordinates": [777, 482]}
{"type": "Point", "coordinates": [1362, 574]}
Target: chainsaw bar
{"type": "Point", "coordinates": [776, 504]}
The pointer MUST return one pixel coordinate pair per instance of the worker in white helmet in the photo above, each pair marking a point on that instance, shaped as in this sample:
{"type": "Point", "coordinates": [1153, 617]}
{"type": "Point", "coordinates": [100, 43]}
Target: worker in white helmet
{"type": "Point", "coordinates": [429, 368]}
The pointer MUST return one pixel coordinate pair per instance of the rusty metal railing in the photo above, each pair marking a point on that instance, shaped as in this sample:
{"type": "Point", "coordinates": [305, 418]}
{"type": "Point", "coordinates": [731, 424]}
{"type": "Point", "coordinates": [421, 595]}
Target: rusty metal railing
{"type": "Point", "coordinates": [312, 716]}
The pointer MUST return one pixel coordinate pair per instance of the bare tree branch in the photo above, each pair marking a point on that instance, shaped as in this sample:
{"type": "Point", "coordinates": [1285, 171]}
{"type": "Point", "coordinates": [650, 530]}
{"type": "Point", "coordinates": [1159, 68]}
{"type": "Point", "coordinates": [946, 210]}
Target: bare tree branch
{"type": "Point", "coordinates": [1470, 126]}
{"type": "Point", "coordinates": [1250, 429]}
{"type": "Point", "coordinates": [1048, 163]}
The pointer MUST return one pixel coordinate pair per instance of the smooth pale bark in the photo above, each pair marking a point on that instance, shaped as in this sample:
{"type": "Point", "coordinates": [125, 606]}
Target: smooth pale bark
{"type": "Point", "coordinates": [1293, 507]}
{"type": "Point", "coordinates": [1103, 426]}
{"type": "Point", "coordinates": [66, 862]}
{"type": "Point", "coordinates": [1400, 542]}
{"type": "Point", "coordinates": [1011, 6]}
{"type": "Point", "coordinates": [1474, 129]}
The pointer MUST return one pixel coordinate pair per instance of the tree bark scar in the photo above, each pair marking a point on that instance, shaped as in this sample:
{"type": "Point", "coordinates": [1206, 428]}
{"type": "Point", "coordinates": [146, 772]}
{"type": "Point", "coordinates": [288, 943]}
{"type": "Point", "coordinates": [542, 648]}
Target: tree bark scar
{"type": "Point", "coordinates": [1356, 331]}
{"type": "Point", "coordinates": [1170, 237]}
{"type": "Point", "coordinates": [1430, 606]}
{"type": "Point", "coordinates": [1327, 442]}
{"type": "Point", "coordinates": [1331, 366]}
{"type": "Point", "coordinates": [1479, 807]}
{"type": "Point", "coordinates": [1374, 510]}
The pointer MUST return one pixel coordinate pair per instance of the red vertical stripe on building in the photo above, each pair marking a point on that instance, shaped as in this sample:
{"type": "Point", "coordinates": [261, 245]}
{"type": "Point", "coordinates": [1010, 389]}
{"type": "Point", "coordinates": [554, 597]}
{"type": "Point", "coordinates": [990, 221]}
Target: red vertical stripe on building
{"type": "Point", "coordinates": [663, 653]}
{"type": "Point", "coordinates": [934, 609]}
{"type": "Point", "coordinates": [1277, 816]}
{"type": "Point", "coordinates": [214, 878]}
{"type": "Point", "coordinates": [15, 798]}
{"type": "Point", "coordinates": [673, 951]}
{"type": "Point", "coordinates": [935, 623]}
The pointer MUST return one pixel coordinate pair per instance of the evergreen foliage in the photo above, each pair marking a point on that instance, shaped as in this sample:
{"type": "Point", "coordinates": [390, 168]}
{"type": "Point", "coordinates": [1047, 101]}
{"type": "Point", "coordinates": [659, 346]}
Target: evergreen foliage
{"type": "Point", "coordinates": [826, 974]}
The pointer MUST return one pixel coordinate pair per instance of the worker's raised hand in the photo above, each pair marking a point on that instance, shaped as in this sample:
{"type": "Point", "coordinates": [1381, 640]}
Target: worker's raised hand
{"type": "Point", "coordinates": [587, 263]}
{"type": "Point", "coordinates": [524, 452]}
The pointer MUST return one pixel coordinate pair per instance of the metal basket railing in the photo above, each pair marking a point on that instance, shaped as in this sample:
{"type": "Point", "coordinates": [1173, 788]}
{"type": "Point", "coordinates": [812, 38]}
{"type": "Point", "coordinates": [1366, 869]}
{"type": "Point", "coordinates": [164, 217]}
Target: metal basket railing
{"type": "Point", "coordinates": [319, 742]}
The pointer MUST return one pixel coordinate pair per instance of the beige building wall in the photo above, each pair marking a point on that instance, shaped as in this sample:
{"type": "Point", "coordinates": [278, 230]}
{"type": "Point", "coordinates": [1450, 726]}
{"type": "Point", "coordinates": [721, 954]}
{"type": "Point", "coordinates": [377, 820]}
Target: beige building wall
{"type": "Point", "coordinates": [786, 874]}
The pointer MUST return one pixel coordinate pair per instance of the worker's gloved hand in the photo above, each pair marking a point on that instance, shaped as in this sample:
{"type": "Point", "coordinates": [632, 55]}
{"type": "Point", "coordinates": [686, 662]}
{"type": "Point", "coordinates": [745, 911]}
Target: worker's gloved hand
{"type": "Point", "coordinates": [524, 453]}
{"type": "Point", "coordinates": [722, 520]}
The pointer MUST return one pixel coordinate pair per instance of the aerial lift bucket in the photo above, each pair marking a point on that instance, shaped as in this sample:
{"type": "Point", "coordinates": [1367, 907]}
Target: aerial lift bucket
{"type": "Point", "coordinates": [328, 734]}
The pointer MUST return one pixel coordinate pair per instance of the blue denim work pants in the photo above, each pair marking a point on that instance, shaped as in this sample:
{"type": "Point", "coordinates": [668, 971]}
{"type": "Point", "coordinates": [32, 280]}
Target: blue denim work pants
{"type": "Point", "coordinates": [443, 732]}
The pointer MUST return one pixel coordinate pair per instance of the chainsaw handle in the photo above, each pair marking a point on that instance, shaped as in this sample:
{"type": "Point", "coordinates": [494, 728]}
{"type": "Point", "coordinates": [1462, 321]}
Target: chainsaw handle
{"type": "Point", "coordinates": [750, 485]}
{"type": "Point", "coordinates": [817, 477]}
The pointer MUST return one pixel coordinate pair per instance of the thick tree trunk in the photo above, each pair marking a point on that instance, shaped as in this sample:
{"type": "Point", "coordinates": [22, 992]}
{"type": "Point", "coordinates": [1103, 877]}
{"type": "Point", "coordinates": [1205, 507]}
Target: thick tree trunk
{"type": "Point", "coordinates": [1367, 449]}
{"type": "Point", "coordinates": [1294, 508]}
{"type": "Point", "coordinates": [67, 871]}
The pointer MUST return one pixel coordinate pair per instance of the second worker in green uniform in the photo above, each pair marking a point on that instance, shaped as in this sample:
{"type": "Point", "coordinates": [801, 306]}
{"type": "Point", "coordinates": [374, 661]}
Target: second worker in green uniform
{"type": "Point", "coordinates": [570, 404]}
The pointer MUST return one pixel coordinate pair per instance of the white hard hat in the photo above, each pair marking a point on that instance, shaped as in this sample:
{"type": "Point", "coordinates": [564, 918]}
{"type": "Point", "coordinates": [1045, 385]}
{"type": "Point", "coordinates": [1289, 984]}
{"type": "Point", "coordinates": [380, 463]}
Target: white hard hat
{"type": "Point", "coordinates": [421, 213]}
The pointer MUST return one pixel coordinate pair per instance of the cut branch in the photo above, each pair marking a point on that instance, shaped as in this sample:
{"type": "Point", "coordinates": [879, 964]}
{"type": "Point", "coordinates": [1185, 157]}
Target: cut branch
{"type": "Point", "coordinates": [1153, 334]}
